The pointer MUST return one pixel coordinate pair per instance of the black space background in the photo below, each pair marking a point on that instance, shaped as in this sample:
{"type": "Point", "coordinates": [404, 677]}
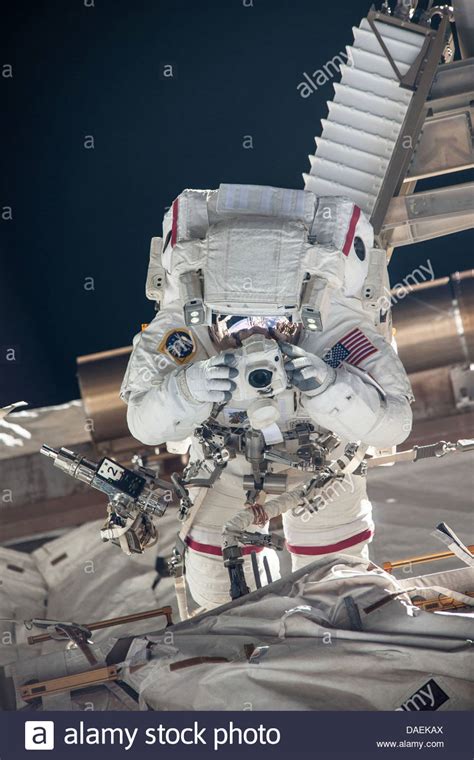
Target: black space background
{"type": "Point", "coordinates": [90, 213]}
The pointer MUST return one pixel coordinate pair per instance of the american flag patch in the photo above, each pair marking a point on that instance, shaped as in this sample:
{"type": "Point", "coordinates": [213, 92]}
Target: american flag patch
{"type": "Point", "coordinates": [353, 348]}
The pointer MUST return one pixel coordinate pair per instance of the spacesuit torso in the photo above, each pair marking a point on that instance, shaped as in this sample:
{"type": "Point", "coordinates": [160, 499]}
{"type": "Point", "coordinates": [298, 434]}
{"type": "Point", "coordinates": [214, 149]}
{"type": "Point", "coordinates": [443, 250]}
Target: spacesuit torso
{"type": "Point", "coordinates": [368, 402]}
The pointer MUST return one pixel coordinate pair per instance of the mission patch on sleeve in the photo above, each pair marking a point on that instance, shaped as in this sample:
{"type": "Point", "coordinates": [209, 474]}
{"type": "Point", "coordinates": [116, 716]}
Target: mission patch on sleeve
{"type": "Point", "coordinates": [178, 344]}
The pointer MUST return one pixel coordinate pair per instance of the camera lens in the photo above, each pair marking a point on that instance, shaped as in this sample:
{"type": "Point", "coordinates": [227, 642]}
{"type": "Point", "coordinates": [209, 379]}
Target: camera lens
{"type": "Point", "coordinates": [260, 378]}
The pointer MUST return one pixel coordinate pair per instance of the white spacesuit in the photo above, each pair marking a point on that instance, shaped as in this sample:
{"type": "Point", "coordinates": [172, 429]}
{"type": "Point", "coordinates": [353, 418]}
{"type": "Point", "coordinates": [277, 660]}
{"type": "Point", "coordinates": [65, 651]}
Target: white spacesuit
{"type": "Point", "coordinates": [301, 272]}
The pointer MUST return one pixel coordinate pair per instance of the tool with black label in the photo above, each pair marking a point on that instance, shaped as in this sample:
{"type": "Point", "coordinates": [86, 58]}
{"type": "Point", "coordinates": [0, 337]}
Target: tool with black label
{"type": "Point", "coordinates": [135, 497]}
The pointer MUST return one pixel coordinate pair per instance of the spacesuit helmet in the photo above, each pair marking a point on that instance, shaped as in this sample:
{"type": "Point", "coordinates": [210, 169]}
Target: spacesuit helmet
{"type": "Point", "coordinates": [228, 331]}
{"type": "Point", "coordinates": [263, 253]}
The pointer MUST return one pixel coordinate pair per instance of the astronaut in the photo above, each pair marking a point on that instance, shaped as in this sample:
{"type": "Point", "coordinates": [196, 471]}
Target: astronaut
{"type": "Point", "coordinates": [246, 268]}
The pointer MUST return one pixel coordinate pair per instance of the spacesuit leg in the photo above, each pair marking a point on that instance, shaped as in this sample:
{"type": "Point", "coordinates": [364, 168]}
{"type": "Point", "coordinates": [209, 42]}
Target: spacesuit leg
{"type": "Point", "coordinates": [360, 550]}
{"type": "Point", "coordinates": [206, 576]}
{"type": "Point", "coordinates": [342, 525]}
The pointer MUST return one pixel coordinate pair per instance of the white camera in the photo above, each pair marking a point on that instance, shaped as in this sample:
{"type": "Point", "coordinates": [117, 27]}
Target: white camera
{"type": "Point", "coordinates": [261, 370]}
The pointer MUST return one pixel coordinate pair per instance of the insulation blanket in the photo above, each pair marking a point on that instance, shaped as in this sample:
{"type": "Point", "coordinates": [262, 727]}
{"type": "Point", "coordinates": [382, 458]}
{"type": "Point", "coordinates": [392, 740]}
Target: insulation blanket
{"type": "Point", "coordinates": [78, 578]}
{"type": "Point", "coordinates": [88, 580]}
{"type": "Point", "coordinates": [23, 595]}
{"type": "Point", "coordinates": [314, 641]}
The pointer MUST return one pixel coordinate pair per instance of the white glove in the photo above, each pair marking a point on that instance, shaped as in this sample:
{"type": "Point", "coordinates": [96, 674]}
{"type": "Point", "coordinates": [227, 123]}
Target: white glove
{"type": "Point", "coordinates": [210, 380]}
{"type": "Point", "coordinates": [307, 372]}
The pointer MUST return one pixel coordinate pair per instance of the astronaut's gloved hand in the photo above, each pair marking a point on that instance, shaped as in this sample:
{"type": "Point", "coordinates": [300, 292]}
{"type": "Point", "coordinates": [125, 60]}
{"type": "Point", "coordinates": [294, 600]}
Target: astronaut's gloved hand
{"type": "Point", "coordinates": [307, 372]}
{"type": "Point", "coordinates": [211, 380]}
